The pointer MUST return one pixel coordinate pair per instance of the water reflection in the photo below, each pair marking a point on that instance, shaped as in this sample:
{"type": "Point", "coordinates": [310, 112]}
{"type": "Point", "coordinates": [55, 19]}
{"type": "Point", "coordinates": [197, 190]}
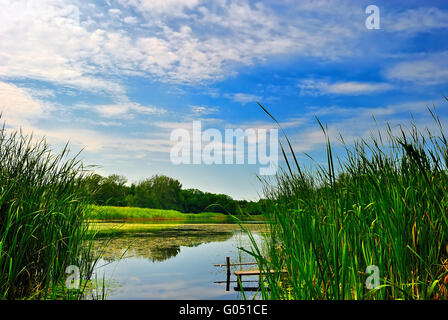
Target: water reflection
{"type": "Point", "coordinates": [174, 262]}
{"type": "Point", "coordinates": [159, 244]}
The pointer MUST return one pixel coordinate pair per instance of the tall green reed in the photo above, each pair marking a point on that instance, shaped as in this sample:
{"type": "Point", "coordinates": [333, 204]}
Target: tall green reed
{"type": "Point", "coordinates": [384, 203]}
{"type": "Point", "coordinates": [43, 225]}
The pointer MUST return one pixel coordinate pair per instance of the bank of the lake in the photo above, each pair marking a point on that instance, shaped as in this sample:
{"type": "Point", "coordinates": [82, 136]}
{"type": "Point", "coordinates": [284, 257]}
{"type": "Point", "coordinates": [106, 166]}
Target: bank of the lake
{"type": "Point", "coordinates": [145, 214]}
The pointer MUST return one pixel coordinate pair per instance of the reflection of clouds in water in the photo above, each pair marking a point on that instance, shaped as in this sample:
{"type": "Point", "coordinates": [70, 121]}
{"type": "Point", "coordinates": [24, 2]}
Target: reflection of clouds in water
{"type": "Point", "coordinates": [155, 249]}
{"type": "Point", "coordinates": [174, 264]}
{"type": "Point", "coordinates": [181, 290]}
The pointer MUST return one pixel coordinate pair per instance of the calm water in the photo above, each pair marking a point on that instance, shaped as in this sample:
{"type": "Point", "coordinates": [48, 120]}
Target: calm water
{"type": "Point", "coordinates": [174, 262]}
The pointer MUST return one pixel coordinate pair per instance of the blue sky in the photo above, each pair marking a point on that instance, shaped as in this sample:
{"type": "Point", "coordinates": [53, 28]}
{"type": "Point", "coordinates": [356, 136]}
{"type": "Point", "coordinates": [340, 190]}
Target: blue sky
{"type": "Point", "coordinates": [115, 77]}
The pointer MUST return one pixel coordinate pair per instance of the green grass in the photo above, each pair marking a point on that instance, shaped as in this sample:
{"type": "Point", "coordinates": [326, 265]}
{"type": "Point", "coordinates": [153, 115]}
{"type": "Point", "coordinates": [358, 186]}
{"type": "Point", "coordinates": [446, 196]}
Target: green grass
{"type": "Point", "coordinates": [43, 227]}
{"type": "Point", "coordinates": [384, 203]}
{"type": "Point", "coordinates": [131, 213]}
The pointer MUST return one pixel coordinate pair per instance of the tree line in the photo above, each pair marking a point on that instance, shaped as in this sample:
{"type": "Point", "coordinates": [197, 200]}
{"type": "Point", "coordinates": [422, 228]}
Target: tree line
{"type": "Point", "coordinates": [162, 192]}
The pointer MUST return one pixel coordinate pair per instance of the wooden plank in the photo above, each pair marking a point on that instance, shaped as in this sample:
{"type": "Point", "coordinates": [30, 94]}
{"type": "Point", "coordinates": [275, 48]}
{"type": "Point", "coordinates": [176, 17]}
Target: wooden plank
{"type": "Point", "coordinates": [247, 272]}
{"type": "Point", "coordinates": [236, 264]}
{"type": "Point", "coordinates": [247, 289]}
{"type": "Point", "coordinates": [233, 281]}
{"type": "Point", "coordinates": [255, 272]}
{"type": "Point", "coordinates": [228, 273]}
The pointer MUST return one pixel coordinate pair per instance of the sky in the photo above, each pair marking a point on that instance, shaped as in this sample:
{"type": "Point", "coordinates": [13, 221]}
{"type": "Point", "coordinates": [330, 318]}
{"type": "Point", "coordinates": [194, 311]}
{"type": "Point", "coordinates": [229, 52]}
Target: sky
{"type": "Point", "coordinates": [116, 77]}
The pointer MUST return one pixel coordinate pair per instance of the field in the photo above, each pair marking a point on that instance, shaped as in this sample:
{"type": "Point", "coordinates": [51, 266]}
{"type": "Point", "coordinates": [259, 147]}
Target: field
{"type": "Point", "coordinates": [126, 213]}
{"type": "Point", "coordinates": [131, 213]}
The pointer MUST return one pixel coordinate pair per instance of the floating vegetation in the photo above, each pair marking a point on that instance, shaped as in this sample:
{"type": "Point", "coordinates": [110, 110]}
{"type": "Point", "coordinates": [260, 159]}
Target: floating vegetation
{"type": "Point", "coordinates": [158, 242]}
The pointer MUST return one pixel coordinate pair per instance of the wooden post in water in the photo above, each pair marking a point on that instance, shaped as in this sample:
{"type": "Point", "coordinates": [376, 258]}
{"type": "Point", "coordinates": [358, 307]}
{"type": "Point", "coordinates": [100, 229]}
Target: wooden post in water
{"type": "Point", "coordinates": [228, 273]}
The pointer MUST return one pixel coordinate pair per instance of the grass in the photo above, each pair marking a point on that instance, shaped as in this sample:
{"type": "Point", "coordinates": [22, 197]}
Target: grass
{"type": "Point", "coordinates": [131, 213]}
{"type": "Point", "coordinates": [104, 229]}
{"type": "Point", "coordinates": [384, 203]}
{"type": "Point", "coordinates": [43, 225]}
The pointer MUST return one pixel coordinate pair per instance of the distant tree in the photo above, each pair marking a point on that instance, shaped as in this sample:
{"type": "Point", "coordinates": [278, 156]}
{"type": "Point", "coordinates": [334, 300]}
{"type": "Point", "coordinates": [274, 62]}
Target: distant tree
{"type": "Point", "coordinates": [107, 191]}
{"type": "Point", "coordinates": [113, 190]}
{"type": "Point", "coordinates": [158, 192]}
{"type": "Point", "coordinates": [167, 191]}
{"type": "Point", "coordinates": [142, 196]}
{"type": "Point", "coordinates": [162, 192]}
{"type": "Point", "coordinates": [193, 200]}
{"type": "Point", "coordinates": [92, 185]}
{"type": "Point", "coordinates": [221, 203]}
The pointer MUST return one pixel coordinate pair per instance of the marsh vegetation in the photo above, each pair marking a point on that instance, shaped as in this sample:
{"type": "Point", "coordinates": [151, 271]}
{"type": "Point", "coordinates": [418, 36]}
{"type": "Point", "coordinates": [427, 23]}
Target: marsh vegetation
{"type": "Point", "coordinates": [383, 203]}
{"type": "Point", "coordinates": [43, 225]}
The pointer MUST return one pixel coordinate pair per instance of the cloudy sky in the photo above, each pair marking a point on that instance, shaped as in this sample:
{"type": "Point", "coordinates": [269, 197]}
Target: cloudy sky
{"type": "Point", "coordinates": [115, 77]}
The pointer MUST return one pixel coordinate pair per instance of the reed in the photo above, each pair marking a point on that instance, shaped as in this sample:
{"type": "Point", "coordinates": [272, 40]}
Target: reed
{"type": "Point", "coordinates": [43, 225]}
{"type": "Point", "coordinates": [384, 202]}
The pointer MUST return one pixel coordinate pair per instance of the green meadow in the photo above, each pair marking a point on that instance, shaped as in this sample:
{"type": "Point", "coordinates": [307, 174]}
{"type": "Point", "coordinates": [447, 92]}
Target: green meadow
{"type": "Point", "coordinates": [146, 214]}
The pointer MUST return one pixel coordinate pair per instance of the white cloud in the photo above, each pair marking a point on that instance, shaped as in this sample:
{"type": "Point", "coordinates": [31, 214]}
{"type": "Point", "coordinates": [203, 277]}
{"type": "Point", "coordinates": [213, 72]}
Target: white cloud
{"type": "Point", "coordinates": [110, 111]}
{"type": "Point", "coordinates": [161, 7]}
{"type": "Point", "coordinates": [96, 142]}
{"type": "Point", "coordinates": [380, 111]}
{"type": "Point", "coordinates": [204, 110]}
{"type": "Point", "coordinates": [245, 97]}
{"type": "Point", "coordinates": [23, 107]}
{"type": "Point", "coordinates": [114, 12]}
{"type": "Point", "coordinates": [123, 110]}
{"type": "Point", "coordinates": [40, 93]}
{"type": "Point", "coordinates": [314, 87]}
{"type": "Point", "coordinates": [45, 40]}
{"type": "Point", "coordinates": [417, 20]}
{"type": "Point", "coordinates": [428, 71]}
{"type": "Point", "coordinates": [19, 107]}
{"type": "Point", "coordinates": [130, 20]}
{"type": "Point", "coordinates": [71, 43]}
{"type": "Point", "coordinates": [357, 122]}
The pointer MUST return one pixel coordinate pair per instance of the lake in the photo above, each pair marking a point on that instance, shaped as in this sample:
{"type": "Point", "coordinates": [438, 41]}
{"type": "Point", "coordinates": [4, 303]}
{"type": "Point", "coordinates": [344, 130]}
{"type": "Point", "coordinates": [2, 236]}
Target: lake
{"type": "Point", "coordinates": [173, 261]}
